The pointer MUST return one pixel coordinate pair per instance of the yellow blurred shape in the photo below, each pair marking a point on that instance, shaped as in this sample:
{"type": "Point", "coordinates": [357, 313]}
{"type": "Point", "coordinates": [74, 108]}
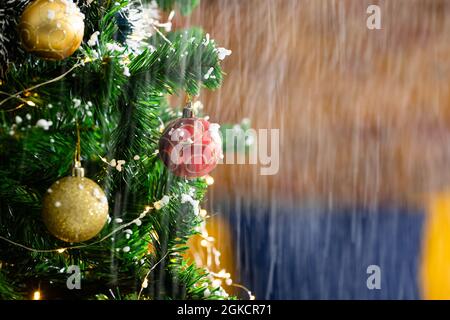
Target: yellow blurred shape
{"type": "Point", "coordinates": [435, 267]}
{"type": "Point", "coordinates": [37, 295]}
{"type": "Point", "coordinates": [219, 236]}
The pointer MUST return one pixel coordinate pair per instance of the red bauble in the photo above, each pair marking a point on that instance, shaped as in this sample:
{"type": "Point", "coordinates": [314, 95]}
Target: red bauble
{"type": "Point", "coordinates": [190, 147]}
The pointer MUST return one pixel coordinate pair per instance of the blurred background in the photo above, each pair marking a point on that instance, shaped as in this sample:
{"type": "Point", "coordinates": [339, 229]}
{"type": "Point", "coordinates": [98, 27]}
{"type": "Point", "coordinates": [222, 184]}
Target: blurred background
{"type": "Point", "coordinates": [364, 121]}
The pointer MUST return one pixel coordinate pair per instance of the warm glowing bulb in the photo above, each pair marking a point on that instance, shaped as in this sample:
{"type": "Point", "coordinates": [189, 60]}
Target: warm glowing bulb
{"type": "Point", "coordinates": [145, 283]}
{"type": "Point", "coordinates": [37, 295]}
{"type": "Point", "coordinates": [203, 213]}
{"type": "Point", "coordinates": [204, 243]}
{"type": "Point", "coordinates": [216, 283]}
{"type": "Point", "coordinates": [209, 180]}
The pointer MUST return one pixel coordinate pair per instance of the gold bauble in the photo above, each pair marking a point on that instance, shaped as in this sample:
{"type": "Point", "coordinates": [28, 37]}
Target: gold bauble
{"type": "Point", "coordinates": [52, 29]}
{"type": "Point", "coordinates": [75, 209]}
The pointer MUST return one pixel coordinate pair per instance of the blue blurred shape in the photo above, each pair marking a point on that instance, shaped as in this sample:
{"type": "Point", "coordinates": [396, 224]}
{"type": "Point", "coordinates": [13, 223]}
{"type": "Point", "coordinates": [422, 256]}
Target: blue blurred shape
{"type": "Point", "coordinates": [320, 253]}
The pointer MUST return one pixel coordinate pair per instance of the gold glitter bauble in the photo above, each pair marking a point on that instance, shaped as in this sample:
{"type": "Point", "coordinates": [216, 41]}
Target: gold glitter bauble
{"type": "Point", "coordinates": [52, 29]}
{"type": "Point", "coordinates": [75, 209]}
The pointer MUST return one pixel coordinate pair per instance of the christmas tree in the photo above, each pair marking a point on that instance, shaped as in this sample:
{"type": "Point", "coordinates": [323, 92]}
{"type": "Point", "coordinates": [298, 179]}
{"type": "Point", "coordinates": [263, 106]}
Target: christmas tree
{"type": "Point", "coordinates": [88, 209]}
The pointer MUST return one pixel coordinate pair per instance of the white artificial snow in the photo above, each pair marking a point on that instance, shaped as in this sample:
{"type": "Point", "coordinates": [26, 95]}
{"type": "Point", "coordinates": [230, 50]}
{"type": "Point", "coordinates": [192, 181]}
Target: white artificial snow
{"type": "Point", "coordinates": [126, 71]}
{"type": "Point", "coordinates": [216, 283]}
{"type": "Point", "coordinates": [158, 205]}
{"type": "Point", "coordinates": [44, 124]}
{"type": "Point", "coordinates": [144, 19]}
{"type": "Point", "coordinates": [119, 165]}
{"type": "Point", "coordinates": [206, 41]}
{"type": "Point", "coordinates": [208, 73]}
{"type": "Point", "coordinates": [76, 102]}
{"type": "Point", "coordinates": [187, 198]}
{"type": "Point", "coordinates": [93, 40]}
{"type": "Point", "coordinates": [114, 47]}
{"type": "Point", "coordinates": [222, 53]}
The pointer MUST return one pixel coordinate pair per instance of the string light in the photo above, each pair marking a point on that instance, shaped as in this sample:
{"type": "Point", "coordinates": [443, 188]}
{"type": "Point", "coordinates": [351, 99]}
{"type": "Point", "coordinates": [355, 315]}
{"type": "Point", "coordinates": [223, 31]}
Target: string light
{"type": "Point", "coordinates": [209, 180]}
{"type": "Point", "coordinates": [204, 243]}
{"type": "Point", "coordinates": [37, 295]}
{"type": "Point", "coordinates": [17, 94]}
{"type": "Point", "coordinates": [213, 254]}
{"type": "Point", "coordinates": [250, 294]}
{"type": "Point", "coordinates": [203, 213]}
{"type": "Point", "coordinates": [60, 250]}
{"type": "Point", "coordinates": [145, 282]}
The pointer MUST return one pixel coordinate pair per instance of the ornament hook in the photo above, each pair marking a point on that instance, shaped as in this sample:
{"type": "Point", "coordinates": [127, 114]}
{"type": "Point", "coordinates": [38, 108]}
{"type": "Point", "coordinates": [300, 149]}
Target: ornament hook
{"type": "Point", "coordinates": [187, 110]}
{"type": "Point", "coordinates": [78, 170]}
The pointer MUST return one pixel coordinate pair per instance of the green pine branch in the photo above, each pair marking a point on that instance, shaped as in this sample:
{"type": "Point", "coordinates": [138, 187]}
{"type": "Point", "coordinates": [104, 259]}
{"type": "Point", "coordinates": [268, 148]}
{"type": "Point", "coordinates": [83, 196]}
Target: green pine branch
{"type": "Point", "coordinates": [119, 118]}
